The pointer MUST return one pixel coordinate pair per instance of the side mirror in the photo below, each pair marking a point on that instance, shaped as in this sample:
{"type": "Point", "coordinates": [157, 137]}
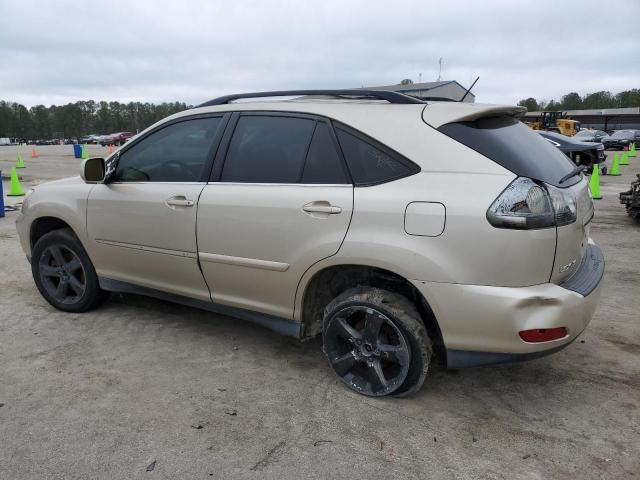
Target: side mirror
{"type": "Point", "coordinates": [92, 170]}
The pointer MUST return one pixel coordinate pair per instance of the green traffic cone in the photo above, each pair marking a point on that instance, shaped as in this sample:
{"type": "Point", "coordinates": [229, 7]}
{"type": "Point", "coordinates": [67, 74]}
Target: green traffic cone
{"type": "Point", "coordinates": [15, 189]}
{"type": "Point", "coordinates": [632, 150]}
{"type": "Point", "coordinates": [594, 183]}
{"type": "Point", "coordinates": [615, 166]}
{"type": "Point", "coordinates": [84, 155]}
{"type": "Point", "coordinates": [20, 163]}
{"type": "Point", "coordinates": [624, 158]}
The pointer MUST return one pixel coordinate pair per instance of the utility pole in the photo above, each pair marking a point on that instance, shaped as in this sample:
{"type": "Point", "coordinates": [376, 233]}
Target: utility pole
{"type": "Point", "coordinates": [439, 68]}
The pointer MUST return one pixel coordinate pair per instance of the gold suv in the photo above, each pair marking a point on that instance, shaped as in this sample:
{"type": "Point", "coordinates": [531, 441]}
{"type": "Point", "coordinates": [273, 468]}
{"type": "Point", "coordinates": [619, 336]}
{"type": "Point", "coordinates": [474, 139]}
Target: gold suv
{"type": "Point", "coordinates": [395, 228]}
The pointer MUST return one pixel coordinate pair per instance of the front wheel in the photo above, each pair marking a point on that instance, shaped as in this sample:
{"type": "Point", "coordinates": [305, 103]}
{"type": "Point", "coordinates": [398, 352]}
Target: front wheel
{"type": "Point", "coordinates": [64, 273]}
{"type": "Point", "coordinates": [376, 342]}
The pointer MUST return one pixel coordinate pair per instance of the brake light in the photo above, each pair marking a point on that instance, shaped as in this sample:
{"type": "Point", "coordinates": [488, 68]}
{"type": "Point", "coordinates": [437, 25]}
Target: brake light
{"type": "Point", "coordinates": [543, 334]}
{"type": "Point", "coordinates": [525, 204]}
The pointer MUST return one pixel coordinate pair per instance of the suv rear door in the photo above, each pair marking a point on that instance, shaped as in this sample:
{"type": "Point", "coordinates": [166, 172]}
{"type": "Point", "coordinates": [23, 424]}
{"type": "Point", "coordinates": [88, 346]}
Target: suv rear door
{"type": "Point", "coordinates": [279, 200]}
{"type": "Point", "coordinates": [142, 222]}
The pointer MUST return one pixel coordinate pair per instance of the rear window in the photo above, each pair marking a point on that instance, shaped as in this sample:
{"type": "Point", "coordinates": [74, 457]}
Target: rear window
{"type": "Point", "coordinates": [516, 147]}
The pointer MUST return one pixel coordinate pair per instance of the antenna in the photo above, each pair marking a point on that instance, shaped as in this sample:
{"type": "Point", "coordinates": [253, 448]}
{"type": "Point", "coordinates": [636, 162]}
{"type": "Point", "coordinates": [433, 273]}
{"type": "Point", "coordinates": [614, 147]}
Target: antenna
{"type": "Point", "coordinates": [439, 68]}
{"type": "Point", "coordinates": [468, 90]}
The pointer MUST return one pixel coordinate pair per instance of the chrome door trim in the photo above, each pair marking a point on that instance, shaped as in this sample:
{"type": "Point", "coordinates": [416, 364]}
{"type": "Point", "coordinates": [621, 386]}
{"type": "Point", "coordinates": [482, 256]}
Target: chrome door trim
{"type": "Point", "coordinates": [146, 248]}
{"type": "Point", "coordinates": [271, 184]}
{"type": "Point", "coordinates": [243, 262]}
{"type": "Point", "coordinates": [157, 183]}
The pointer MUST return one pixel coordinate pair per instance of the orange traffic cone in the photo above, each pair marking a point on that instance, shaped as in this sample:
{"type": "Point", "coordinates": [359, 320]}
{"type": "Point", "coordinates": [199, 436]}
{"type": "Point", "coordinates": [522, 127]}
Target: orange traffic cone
{"type": "Point", "coordinates": [34, 154]}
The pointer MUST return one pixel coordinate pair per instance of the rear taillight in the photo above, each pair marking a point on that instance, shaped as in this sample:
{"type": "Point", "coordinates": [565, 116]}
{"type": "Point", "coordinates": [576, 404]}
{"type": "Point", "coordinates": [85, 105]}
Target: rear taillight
{"type": "Point", "coordinates": [538, 335]}
{"type": "Point", "coordinates": [526, 205]}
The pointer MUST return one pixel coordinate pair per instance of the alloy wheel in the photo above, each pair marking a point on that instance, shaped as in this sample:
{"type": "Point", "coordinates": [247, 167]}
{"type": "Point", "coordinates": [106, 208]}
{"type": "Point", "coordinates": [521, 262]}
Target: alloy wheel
{"type": "Point", "coordinates": [62, 274]}
{"type": "Point", "coordinates": [367, 350]}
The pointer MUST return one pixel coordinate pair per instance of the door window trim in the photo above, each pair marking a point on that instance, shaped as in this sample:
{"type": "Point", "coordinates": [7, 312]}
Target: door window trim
{"type": "Point", "coordinates": [221, 155]}
{"type": "Point", "coordinates": [332, 124]}
{"type": "Point", "coordinates": [363, 137]}
{"type": "Point", "coordinates": [211, 154]}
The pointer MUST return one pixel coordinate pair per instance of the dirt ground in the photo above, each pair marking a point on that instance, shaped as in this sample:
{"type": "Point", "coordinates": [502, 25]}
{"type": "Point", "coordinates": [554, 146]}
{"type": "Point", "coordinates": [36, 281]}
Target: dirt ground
{"type": "Point", "coordinates": [141, 388]}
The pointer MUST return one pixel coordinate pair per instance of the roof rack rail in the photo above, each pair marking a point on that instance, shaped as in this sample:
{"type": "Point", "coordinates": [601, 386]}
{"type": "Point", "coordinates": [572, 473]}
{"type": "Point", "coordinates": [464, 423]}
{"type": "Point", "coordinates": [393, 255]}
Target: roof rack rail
{"type": "Point", "coordinates": [391, 97]}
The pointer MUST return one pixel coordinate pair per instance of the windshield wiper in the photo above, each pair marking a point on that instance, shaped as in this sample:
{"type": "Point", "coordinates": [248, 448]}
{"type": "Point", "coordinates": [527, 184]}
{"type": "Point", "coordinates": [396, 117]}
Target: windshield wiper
{"type": "Point", "coordinates": [573, 173]}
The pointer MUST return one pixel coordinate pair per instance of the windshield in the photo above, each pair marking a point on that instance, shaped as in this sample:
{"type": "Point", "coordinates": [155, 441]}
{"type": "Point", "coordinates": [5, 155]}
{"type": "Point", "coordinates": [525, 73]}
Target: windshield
{"type": "Point", "coordinates": [584, 133]}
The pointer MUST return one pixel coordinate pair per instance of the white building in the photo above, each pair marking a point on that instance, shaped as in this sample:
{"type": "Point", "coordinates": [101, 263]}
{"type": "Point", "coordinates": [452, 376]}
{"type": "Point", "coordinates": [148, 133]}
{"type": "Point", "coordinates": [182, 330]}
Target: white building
{"type": "Point", "coordinates": [451, 90]}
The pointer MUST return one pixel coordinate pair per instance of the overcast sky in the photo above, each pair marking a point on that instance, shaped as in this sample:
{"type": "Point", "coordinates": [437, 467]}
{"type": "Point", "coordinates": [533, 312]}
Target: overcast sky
{"type": "Point", "coordinates": [54, 52]}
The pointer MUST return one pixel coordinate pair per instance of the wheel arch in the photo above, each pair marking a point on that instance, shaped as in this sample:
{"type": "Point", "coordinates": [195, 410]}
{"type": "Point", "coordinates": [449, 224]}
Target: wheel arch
{"type": "Point", "coordinates": [45, 224]}
{"type": "Point", "coordinates": [327, 283]}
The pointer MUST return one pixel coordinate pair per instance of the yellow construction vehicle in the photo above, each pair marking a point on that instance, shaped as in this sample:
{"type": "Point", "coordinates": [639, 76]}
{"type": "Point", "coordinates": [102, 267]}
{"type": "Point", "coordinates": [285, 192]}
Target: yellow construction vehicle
{"type": "Point", "coordinates": [555, 122]}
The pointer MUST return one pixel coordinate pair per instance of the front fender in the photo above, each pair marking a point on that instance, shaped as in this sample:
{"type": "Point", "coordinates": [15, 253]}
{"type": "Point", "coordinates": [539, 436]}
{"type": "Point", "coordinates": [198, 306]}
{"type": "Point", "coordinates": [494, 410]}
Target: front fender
{"type": "Point", "coordinates": [65, 200]}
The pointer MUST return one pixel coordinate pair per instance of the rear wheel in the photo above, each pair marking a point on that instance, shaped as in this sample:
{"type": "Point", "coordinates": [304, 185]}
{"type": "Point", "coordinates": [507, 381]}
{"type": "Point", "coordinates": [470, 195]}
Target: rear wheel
{"type": "Point", "coordinates": [376, 342]}
{"type": "Point", "coordinates": [64, 273]}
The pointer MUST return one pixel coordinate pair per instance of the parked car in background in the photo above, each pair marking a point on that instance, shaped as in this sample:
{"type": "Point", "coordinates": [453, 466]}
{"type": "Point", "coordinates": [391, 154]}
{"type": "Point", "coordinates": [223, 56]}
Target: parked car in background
{"type": "Point", "coordinates": [620, 139]}
{"type": "Point", "coordinates": [588, 135]}
{"type": "Point", "coordinates": [116, 138]}
{"type": "Point", "coordinates": [91, 139]}
{"type": "Point", "coordinates": [314, 218]}
{"type": "Point", "coordinates": [585, 153]}
{"type": "Point", "coordinates": [101, 138]}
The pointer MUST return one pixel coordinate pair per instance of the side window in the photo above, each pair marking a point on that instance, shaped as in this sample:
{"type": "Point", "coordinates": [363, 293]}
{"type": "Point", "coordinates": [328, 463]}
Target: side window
{"type": "Point", "coordinates": [267, 149]}
{"type": "Point", "coordinates": [176, 153]}
{"type": "Point", "coordinates": [323, 165]}
{"type": "Point", "coordinates": [370, 162]}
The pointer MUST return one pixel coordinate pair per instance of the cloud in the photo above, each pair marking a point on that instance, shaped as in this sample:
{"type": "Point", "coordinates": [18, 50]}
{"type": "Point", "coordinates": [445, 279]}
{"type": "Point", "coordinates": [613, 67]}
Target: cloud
{"type": "Point", "coordinates": [59, 52]}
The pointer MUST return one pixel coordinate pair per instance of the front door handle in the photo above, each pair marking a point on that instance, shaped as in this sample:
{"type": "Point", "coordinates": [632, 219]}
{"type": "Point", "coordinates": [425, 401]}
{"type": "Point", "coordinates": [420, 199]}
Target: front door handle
{"type": "Point", "coordinates": [321, 207]}
{"type": "Point", "coordinates": [179, 201]}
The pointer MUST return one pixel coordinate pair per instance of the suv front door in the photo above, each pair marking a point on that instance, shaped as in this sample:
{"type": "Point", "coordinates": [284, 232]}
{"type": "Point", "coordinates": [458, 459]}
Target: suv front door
{"type": "Point", "coordinates": [279, 202]}
{"type": "Point", "coordinates": [142, 222]}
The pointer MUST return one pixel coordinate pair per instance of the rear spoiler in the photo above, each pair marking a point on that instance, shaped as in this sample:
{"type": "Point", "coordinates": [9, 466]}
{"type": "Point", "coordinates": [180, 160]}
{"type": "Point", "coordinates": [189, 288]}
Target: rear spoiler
{"type": "Point", "coordinates": [438, 114]}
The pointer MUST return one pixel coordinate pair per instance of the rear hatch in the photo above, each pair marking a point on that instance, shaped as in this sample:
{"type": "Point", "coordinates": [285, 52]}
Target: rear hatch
{"type": "Point", "coordinates": [497, 133]}
{"type": "Point", "coordinates": [572, 239]}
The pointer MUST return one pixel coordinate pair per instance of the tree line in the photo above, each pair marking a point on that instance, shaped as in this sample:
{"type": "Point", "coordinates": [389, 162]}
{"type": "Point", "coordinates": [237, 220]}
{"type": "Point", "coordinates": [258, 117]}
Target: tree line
{"type": "Point", "coordinates": [596, 100]}
{"type": "Point", "coordinates": [80, 118]}
{"type": "Point", "coordinates": [85, 117]}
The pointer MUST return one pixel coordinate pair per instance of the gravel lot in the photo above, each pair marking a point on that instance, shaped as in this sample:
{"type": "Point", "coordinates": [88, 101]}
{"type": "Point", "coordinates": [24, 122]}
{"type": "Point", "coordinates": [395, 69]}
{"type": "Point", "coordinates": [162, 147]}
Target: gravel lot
{"type": "Point", "coordinates": [107, 393]}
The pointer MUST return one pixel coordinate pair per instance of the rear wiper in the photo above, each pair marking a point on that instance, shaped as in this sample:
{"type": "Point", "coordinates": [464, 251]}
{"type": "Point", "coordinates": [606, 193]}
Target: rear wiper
{"type": "Point", "coordinates": [572, 173]}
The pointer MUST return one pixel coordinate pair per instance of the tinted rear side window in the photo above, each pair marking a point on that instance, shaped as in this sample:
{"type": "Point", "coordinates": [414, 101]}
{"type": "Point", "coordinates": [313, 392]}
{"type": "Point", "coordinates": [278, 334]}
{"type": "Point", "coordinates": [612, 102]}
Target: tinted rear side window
{"type": "Point", "coordinates": [267, 149]}
{"type": "Point", "coordinates": [516, 147]}
{"type": "Point", "coordinates": [370, 162]}
{"type": "Point", "coordinates": [323, 165]}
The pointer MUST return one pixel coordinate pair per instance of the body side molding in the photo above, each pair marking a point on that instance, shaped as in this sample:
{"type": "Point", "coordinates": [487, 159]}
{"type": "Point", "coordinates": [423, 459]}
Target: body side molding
{"type": "Point", "coordinates": [243, 262]}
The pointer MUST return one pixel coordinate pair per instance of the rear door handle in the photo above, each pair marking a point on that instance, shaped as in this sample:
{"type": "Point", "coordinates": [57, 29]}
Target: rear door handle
{"type": "Point", "coordinates": [179, 201]}
{"type": "Point", "coordinates": [321, 207]}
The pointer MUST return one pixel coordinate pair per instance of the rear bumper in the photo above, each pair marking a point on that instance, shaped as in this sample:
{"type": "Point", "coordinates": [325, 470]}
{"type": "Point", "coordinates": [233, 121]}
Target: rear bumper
{"type": "Point", "coordinates": [480, 324]}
